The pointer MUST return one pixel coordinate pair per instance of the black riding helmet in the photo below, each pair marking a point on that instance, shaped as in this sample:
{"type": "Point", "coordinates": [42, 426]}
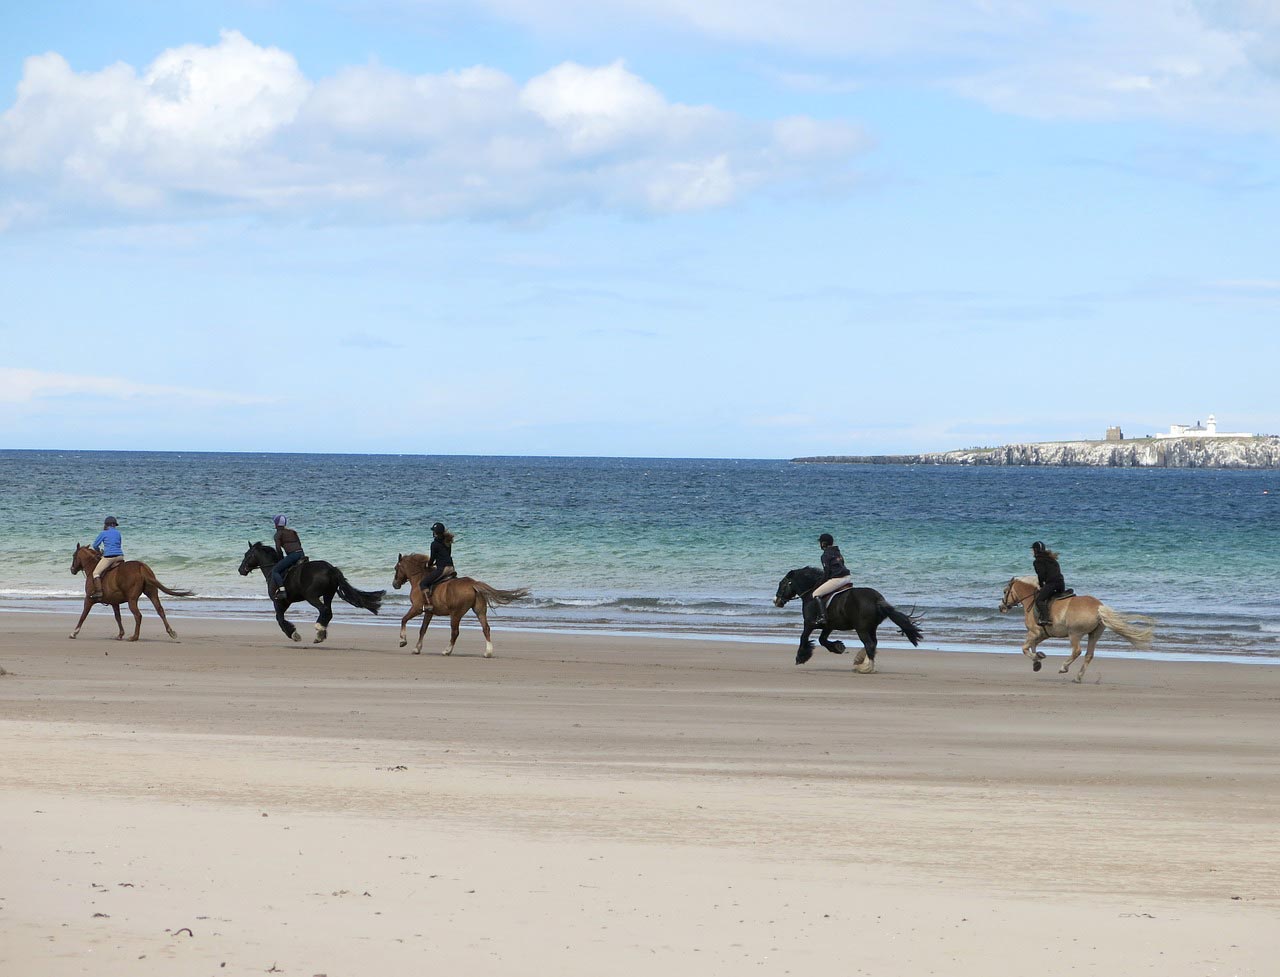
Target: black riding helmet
{"type": "Point", "coordinates": [438, 528]}
{"type": "Point", "coordinates": [1037, 547]}
{"type": "Point", "coordinates": [109, 521]}
{"type": "Point", "coordinates": [826, 539]}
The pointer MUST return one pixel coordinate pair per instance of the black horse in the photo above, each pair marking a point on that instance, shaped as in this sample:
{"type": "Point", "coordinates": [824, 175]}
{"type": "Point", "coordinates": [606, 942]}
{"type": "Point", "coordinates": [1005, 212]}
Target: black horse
{"type": "Point", "coordinates": [315, 582]}
{"type": "Point", "coordinates": [858, 609]}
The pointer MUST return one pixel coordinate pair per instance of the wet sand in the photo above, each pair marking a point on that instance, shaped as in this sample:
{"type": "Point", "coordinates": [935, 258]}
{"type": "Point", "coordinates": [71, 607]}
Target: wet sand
{"type": "Point", "coordinates": [587, 805]}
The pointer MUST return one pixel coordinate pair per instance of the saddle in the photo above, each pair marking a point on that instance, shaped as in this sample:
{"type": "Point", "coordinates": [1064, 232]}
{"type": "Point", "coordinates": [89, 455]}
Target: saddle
{"type": "Point", "coordinates": [1066, 593]}
{"type": "Point", "coordinates": [450, 573]}
{"type": "Point", "coordinates": [293, 572]}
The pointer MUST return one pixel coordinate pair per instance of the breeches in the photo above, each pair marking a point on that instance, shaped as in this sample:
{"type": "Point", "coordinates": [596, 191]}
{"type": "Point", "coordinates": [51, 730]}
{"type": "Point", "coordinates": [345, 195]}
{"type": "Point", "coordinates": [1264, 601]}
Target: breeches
{"type": "Point", "coordinates": [1043, 598]}
{"type": "Point", "coordinates": [829, 587]}
{"type": "Point", "coordinates": [105, 564]}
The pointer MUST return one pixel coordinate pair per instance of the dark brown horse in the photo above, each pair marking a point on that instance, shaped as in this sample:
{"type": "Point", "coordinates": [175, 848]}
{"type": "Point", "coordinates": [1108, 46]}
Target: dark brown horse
{"type": "Point", "coordinates": [124, 582]}
{"type": "Point", "coordinates": [454, 596]}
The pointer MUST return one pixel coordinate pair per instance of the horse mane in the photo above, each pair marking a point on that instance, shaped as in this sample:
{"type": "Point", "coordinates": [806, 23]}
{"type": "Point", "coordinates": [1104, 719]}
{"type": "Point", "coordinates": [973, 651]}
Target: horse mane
{"type": "Point", "coordinates": [1031, 579]}
{"type": "Point", "coordinates": [418, 558]}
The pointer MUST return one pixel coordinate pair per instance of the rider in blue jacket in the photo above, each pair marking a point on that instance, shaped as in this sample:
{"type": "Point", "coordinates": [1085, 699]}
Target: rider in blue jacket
{"type": "Point", "coordinates": [111, 547]}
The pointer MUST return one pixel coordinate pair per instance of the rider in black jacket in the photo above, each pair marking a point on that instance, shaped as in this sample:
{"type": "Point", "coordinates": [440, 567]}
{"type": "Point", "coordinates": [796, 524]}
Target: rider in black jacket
{"type": "Point", "coordinates": [835, 576]}
{"type": "Point", "coordinates": [440, 565]}
{"type": "Point", "coordinates": [1049, 574]}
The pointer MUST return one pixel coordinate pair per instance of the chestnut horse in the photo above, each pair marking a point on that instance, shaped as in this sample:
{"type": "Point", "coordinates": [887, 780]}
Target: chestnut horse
{"type": "Point", "coordinates": [1072, 617]}
{"type": "Point", "coordinates": [124, 582]}
{"type": "Point", "coordinates": [453, 596]}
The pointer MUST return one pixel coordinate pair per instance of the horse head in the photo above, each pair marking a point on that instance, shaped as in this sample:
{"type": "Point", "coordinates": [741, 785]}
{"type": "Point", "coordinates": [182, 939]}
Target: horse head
{"type": "Point", "coordinates": [795, 583]}
{"type": "Point", "coordinates": [399, 579]}
{"type": "Point", "coordinates": [253, 559]}
{"type": "Point", "coordinates": [1012, 598]}
{"type": "Point", "coordinates": [76, 564]}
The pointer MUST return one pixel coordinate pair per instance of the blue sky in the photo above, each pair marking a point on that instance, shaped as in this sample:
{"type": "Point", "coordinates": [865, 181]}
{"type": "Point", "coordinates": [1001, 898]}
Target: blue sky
{"type": "Point", "coordinates": [747, 229]}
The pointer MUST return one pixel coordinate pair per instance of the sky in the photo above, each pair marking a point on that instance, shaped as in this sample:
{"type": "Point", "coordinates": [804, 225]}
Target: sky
{"type": "Point", "coordinates": [671, 228]}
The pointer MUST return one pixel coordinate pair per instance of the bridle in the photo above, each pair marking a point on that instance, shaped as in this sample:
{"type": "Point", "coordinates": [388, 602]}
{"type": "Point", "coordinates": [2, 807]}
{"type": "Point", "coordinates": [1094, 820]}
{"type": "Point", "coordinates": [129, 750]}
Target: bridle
{"type": "Point", "coordinates": [1006, 604]}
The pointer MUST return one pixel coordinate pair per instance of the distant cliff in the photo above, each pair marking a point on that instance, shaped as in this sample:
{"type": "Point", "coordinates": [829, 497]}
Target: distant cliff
{"type": "Point", "coordinates": [1261, 452]}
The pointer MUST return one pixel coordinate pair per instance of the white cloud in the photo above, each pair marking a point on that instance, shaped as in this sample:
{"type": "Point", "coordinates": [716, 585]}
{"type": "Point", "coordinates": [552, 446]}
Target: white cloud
{"type": "Point", "coordinates": [19, 386]}
{"type": "Point", "coordinates": [237, 128]}
{"type": "Point", "coordinates": [1206, 61]}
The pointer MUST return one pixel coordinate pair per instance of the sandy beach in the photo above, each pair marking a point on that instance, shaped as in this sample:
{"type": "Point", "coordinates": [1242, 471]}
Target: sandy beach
{"type": "Point", "coordinates": [238, 804]}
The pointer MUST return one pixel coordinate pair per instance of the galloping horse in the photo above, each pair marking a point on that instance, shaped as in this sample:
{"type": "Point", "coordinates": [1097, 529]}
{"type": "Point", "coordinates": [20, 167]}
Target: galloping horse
{"type": "Point", "coordinates": [1071, 617]}
{"type": "Point", "coordinates": [858, 609]}
{"type": "Point", "coordinates": [123, 582]}
{"type": "Point", "coordinates": [315, 581]}
{"type": "Point", "coordinates": [453, 596]}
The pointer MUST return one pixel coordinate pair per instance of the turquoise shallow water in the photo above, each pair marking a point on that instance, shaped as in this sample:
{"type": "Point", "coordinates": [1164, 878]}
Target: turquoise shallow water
{"type": "Point", "coordinates": [675, 546]}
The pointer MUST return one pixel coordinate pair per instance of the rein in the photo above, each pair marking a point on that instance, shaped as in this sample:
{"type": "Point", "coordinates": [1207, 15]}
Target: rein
{"type": "Point", "coordinates": [1007, 604]}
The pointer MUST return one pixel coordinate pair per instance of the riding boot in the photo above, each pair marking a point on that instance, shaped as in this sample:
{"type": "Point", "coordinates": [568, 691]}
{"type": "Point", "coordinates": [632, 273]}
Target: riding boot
{"type": "Point", "coordinates": [820, 618]}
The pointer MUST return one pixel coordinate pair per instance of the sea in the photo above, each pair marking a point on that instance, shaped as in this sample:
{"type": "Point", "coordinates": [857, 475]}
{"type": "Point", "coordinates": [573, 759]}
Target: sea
{"type": "Point", "coordinates": [674, 547]}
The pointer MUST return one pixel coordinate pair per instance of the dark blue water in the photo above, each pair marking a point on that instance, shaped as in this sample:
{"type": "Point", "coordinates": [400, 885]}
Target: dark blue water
{"type": "Point", "coordinates": [681, 546]}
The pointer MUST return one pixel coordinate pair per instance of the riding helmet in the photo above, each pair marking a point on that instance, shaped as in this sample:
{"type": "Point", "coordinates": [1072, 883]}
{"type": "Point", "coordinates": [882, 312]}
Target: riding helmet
{"type": "Point", "coordinates": [1037, 546]}
{"type": "Point", "coordinates": [437, 527]}
{"type": "Point", "coordinates": [281, 521]}
{"type": "Point", "coordinates": [109, 521]}
{"type": "Point", "coordinates": [826, 539]}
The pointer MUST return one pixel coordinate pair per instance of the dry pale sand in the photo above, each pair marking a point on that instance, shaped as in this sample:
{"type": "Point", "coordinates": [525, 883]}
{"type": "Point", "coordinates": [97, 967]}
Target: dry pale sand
{"type": "Point", "coordinates": [236, 804]}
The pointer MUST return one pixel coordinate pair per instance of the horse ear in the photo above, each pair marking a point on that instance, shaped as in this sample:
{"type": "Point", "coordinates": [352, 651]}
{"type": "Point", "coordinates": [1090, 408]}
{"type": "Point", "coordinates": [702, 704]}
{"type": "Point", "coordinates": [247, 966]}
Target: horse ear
{"type": "Point", "coordinates": [250, 544]}
{"type": "Point", "coordinates": [399, 557]}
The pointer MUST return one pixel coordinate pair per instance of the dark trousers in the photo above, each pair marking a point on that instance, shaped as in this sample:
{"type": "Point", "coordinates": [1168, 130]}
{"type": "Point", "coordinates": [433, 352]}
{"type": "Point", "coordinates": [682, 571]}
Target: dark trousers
{"type": "Point", "coordinates": [1046, 594]}
{"type": "Point", "coordinates": [280, 569]}
{"type": "Point", "coordinates": [434, 576]}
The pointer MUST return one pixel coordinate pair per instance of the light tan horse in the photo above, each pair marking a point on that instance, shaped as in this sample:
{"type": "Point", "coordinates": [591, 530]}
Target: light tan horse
{"type": "Point", "coordinates": [124, 582]}
{"type": "Point", "coordinates": [453, 596]}
{"type": "Point", "coordinates": [1072, 617]}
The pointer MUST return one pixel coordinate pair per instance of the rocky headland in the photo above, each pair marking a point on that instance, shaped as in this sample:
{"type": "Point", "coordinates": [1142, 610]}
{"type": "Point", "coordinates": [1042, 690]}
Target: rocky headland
{"type": "Point", "coordinates": [1259, 452]}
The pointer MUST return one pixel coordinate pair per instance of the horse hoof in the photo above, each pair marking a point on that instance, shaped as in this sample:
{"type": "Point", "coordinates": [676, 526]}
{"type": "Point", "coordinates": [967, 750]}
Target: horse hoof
{"type": "Point", "coordinates": [1063, 670]}
{"type": "Point", "coordinates": [72, 637]}
{"type": "Point", "coordinates": [1078, 679]}
{"type": "Point", "coordinates": [417, 651]}
{"type": "Point", "coordinates": [403, 643]}
{"type": "Point", "coordinates": [1035, 665]}
{"type": "Point", "coordinates": [866, 668]}
{"type": "Point", "coordinates": [295, 636]}
{"type": "Point", "coordinates": [447, 652]}
{"type": "Point", "coordinates": [1039, 656]}
{"type": "Point", "coordinates": [837, 647]}
{"type": "Point", "coordinates": [173, 634]}
{"type": "Point", "coordinates": [488, 654]}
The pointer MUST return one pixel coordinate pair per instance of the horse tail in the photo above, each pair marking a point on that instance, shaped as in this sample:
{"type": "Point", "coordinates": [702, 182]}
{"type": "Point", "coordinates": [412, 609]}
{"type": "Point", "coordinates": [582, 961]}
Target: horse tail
{"type": "Point", "coordinates": [368, 600]}
{"type": "Point", "coordinates": [499, 597]}
{"type": "Point", "coordinates": [1137, 630]}
{"type": "Point", "coordinates": [906, 622]}
{"type": "Point", "coordinates": [150, 577]}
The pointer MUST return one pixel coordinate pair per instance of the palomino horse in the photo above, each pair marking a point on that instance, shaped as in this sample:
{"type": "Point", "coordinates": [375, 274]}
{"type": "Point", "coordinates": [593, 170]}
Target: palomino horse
{"type": "Point", "coordinates": [859, 609]}
{"type": "Point", "coordinates": [454, 596]}
{"type": "Point", "coordinates": [124, 582]}
{"type": "Point", "coordinates": [1072, 617]}
{"type": "Point", "coordinates": [315, 581]}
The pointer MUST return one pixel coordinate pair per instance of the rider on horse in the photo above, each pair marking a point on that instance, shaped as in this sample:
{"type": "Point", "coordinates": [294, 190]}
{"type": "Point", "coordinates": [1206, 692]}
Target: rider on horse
{"type": "Point", "coordinates": [835, 576]}
{"type": "Point", "coordinates": [288, 553]}
{"type": "Point", "coordinates": [109, 545]}
{"type": "Point", "coordinates": [440, 563]}
{"type": "Point", "coordinates": [1049, 575]}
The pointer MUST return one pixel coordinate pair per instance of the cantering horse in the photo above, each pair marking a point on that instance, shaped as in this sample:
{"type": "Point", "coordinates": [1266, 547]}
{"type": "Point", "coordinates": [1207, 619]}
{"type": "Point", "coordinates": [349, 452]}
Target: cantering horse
{"type": "Point", "coordinates": [1073, 618]}
{"type": "Point", "coordinates": [315, 581]}
{"type": "Point", "coordinates": [124, 582]}
{"type": "Point", "coordinates": [453, 596]}
{"type": "Point", "coordinates": [859, 609]}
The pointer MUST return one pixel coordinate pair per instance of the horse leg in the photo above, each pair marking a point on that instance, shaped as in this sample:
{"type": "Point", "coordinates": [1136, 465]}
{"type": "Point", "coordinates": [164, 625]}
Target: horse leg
{"type": "Point", "coordinates": [455, 625]}
{"type": "Point", "coordinates": [322, 630]}
{"type": "Point", "coordinates": [137, 616]}
{"type": "Point", "coordinates": [1075, 653]}
{"type": "Point", "coordinates": [482, 612]}
{"type": "Point", "coordinates": [286, 626]}
{"type": "Point", "coordinates": [83, 614]}
{"type": "Point", "coordinates": [115, 609]}
{"type": "Point", "coordinates": [1034, 637]}
{"type": "Point", "coordinates": [153, 594]}
{"type": "Point", "coordinates": [1094, 635]}
{"type": "Point", "coordinates": [414, 610]}
{"type": "Point", "coordinates": [865, 664]}
{"type": "Point", "coordinates": [805, 651]}
{"type": "Point", "coordinates": [426, 619]}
